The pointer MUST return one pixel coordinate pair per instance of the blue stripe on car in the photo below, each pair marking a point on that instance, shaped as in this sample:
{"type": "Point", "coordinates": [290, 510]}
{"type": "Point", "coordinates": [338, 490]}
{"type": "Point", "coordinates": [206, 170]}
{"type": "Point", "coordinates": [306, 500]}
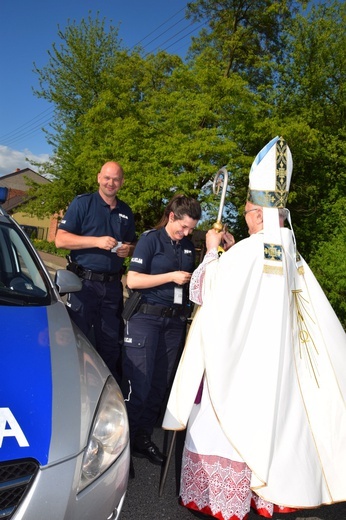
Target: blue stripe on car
{"type": "Point", "coordinates": [25, 384]}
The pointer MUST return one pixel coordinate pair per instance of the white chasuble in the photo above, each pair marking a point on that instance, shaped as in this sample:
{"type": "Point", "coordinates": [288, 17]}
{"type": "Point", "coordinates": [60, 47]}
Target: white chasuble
{"type": "Point", "coordinates": [273, 356]}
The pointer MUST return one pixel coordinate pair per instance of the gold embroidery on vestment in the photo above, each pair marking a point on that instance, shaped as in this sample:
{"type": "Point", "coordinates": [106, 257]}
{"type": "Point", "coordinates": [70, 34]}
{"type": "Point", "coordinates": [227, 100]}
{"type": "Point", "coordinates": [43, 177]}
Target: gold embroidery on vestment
{"type": "Point", "coordinates": [272, 269]}
{"type": "Point", "coordinates": [278, 197]}
{"type": "Point", "coordinates": [307, 347]}
{"type": "Point", "coordinates": [272, 252]}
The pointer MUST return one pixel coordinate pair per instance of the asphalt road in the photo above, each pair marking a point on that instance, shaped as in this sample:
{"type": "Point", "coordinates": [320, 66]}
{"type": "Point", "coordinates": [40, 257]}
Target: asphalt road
{"type": "Point", "coordinates": [143, 501]}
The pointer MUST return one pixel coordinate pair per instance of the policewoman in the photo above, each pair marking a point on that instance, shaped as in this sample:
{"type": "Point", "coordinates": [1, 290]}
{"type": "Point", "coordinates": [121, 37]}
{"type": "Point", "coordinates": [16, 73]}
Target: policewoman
{"type": "Point", "coordinates": [99, 230]}
{"type": "Point", "coordinates": [160, 269]}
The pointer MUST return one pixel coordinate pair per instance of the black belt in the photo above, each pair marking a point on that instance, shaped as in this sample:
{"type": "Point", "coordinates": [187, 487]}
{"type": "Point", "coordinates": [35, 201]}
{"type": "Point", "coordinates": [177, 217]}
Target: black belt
{"type": "Point", "coordinates": [160, 310]}
{"type": "Point", "coordinates": [87, 274]}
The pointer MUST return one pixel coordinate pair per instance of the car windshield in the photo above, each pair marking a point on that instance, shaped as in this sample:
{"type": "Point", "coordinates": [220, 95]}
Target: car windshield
{"type": "Point", "coordinates": [22, 280]}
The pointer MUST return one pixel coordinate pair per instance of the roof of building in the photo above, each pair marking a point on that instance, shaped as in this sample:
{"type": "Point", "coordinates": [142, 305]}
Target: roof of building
{"type": "Point", "coordinates": [16, 183]}
{"type": "Point", "coordinates": [17, 179]}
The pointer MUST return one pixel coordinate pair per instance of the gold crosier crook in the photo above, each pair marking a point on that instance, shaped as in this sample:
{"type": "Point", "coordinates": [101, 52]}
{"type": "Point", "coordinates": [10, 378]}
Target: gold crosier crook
{"type": "Point", "coordinates": [220, 178]}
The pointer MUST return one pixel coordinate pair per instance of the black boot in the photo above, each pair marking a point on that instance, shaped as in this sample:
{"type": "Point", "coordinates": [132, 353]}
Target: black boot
{"type": "Point", "coordinates": [144, 447]}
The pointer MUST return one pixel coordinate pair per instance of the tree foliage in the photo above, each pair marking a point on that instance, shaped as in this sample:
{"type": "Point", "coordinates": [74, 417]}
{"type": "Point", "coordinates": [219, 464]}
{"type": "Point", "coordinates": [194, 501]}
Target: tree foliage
{"type": "Point", "coordinates": [256, 70]}
{"type": "Point", "coordinates": [312, 101]}
{"type": "Point", "coordinates": [245, 36]}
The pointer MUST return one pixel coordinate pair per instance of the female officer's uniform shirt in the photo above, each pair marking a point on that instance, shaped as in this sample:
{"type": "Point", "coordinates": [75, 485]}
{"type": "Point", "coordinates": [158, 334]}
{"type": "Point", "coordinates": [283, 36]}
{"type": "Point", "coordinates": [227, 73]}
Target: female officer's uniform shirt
{"type": "Point", "coordinates": [90, 215]}
{"type": "Point", "coordinates": [157, 253]}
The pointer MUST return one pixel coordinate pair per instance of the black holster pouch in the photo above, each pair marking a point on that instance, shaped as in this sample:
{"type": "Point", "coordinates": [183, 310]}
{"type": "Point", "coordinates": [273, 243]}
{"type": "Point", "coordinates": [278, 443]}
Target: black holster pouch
{"type": "Point", "coordinates": [72, 266]}
{"type": "Point", "coordinates": [188, 309]}
{"type": "Point", "coordinates": [188, 304]}
{"type": "Point", "coordinates": [132, 304]}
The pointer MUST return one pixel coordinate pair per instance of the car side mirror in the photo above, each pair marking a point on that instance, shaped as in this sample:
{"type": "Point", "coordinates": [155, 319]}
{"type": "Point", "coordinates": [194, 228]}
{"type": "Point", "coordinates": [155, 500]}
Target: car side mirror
{"type": "Point", "coordinates": [67, 282]}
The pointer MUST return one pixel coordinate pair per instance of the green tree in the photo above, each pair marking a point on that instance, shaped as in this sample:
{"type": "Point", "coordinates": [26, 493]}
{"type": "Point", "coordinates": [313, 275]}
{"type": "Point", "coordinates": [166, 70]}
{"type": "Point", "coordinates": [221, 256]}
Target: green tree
{"type": "Point", "coordinates": [72, 82]}
{"type": "Point", "coordinates": [244, 36]}
{"type": "Point", "coordinates": [258, 69]}
{"type": "Point", "coordinates": [311, 104]}
{"type": "Point", "coordinates": [172, 135]}
{"type": "Point", "coordinates": [170, 124]}
{"type": "Point", "coordinates": [160, 117]}
{"type": "Point", "coordinates": [328, 264]}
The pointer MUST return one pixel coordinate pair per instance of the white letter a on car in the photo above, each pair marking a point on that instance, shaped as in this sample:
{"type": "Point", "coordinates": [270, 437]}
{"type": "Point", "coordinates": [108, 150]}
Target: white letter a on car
{"type": "Point", "coordinates": [14, 430]}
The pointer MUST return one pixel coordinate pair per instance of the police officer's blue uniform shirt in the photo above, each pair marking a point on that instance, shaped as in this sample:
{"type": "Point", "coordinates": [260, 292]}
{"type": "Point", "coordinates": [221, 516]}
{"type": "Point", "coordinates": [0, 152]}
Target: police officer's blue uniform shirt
{"type": "Point", "coordinates": [157, 253]}
{"type": "Point", "coordinates": [90, 215]}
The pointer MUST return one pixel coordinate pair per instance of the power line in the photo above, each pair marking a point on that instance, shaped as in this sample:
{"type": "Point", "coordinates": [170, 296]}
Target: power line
{"type": "Point", "coordinates": [161, 25]}
{"type": "Point", "coordinates": [27, 135]}
{"type": "Point", "coordinates": [159, 46]}
{"type": "Point", "coordinates": [28, 128]}
{"type": "Point", "coordinates": [177, 41]}
{"type": "Point", "coordinates": [164, 32]}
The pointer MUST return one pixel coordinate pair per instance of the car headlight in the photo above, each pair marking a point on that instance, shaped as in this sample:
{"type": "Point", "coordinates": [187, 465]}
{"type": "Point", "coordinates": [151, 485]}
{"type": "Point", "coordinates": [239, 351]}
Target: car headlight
{"type": "Point", "coordinates": [108, 436]}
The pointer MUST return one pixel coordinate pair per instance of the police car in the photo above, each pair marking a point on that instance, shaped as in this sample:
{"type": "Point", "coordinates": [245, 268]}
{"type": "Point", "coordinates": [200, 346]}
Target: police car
{"type": "Point", "coordinates": [64, 443]}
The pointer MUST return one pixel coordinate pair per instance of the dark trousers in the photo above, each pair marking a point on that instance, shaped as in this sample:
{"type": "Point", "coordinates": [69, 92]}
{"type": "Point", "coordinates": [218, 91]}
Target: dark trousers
{"type": "Point", "coordinates": [151, 346]}
{"type": "Point", "coordinates": [96, 310]}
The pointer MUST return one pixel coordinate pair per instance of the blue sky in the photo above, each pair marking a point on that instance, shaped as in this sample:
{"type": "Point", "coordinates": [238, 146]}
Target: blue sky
{"type": "Point", "coordinates": [28, 28]}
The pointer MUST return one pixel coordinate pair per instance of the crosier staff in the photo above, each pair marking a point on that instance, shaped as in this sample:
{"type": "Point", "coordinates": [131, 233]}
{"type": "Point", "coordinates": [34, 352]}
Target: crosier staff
{"type": "Point", "coordinates": [216, 188]}
{"type": "Point", "coordinates": [220, 178]}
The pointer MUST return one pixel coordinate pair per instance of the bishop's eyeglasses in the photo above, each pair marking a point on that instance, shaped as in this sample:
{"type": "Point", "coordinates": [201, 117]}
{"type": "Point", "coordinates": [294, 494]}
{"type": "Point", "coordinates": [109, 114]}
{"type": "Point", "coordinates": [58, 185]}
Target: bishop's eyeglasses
{"type": "Point", "coordinates": [248, 211]}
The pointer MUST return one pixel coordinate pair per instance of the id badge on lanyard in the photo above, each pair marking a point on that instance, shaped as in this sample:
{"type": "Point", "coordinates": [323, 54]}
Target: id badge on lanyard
{"type": "Point", "coordinates": [178, 295]}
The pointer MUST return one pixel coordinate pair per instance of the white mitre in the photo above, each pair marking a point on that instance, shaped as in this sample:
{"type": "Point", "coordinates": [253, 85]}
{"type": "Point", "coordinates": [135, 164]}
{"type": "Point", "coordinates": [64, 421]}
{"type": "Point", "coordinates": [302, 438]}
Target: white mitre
{"type": "Point", "coordinates": [269, 182]}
